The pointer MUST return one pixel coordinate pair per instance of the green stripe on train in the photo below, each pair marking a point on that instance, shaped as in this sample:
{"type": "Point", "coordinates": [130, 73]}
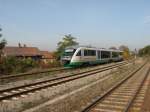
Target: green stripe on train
{"type": "Point", "coordinates": [76, 64]}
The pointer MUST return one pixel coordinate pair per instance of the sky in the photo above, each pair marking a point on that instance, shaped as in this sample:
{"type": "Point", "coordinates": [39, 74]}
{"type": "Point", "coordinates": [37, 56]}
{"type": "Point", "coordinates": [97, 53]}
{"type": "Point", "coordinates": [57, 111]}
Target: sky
{"type": "Point", "coordinates": [100, 23]}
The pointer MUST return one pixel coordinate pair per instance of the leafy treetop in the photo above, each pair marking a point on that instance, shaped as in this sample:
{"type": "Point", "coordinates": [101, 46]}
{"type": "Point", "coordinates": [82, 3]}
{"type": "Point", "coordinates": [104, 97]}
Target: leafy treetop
{"type": "Point", "coordinates": [68, 40]}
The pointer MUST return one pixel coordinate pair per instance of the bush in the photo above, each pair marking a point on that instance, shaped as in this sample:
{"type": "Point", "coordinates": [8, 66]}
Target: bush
{"type": "Point", "coordinates": [16, 65]}
{"type": "Point", "coordinates": [145, 51]}
{"type": "Point", "coordinates": [50, 64]}
{"type": "Point", "coordinates": [54, 64]}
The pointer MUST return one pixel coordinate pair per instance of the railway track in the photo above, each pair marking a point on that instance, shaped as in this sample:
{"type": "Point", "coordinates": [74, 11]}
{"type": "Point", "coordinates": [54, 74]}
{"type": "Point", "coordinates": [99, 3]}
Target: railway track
{"type": "Point", "coordinates": [15, 76]}
{"type": "Point", "coordinates": [125, 96]}
{"type": "Point", "coordinates": [30, 74]}
{"type": "Point", "coordinates": [12, 93]}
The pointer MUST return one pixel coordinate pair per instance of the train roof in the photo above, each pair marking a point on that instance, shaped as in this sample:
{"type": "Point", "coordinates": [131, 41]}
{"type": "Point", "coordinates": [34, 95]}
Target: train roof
{"type": "Point", "coordinates": [76, 47]}
{"type": "Point", "coordinates": [93, 48]}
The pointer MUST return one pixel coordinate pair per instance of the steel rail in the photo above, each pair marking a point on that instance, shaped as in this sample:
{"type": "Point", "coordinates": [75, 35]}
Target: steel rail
{"type": "Point", "coordinates": [57, 78]}
{"type": "Point", "coordinates": [71, 78]}
{"type": "Point", "coordinates": [28, 74]}
{"type": "Point", "coordinates": [33, 73]}
{"type": "Point", "coordinates": [136, 92]}
{"type": "Point", "coordinates": [100, 98]}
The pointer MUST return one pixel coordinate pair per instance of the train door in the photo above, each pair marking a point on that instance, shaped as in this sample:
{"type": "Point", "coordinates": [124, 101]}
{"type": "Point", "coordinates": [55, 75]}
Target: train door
{"type": "Point", "coordinates": [98, 55]}
{"type": "Point", "coordinates": [79, 54]}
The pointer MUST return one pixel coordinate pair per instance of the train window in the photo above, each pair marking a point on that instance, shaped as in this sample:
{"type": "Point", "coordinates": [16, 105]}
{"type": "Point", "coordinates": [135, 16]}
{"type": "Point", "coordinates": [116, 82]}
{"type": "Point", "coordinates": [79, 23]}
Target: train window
{"type": "Point", "coordinates": [85, 52]}
{"type": "Point", "coordinates": [89, 53]}
{"type": "Point", "coordinates": [120, 53]}
{"type": "Point", "coordinates": [93, 52]}
{"type": "Point", "coordinates": [69, 52]}
{"type": "Point", "coordinates": [115, 54]}
{"type": "Point", "coordinates": [79, 53]}
{"type": "Point", "coordinates": [105, 54]}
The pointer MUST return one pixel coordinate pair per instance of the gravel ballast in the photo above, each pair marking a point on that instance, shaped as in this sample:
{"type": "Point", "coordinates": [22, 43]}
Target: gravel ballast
{"type": "Point", "coordinates": [76, 100]}
{"type": "Point", "coordinates": [44, 76]}
{"type": "Point", "coordinates": [67, 97]}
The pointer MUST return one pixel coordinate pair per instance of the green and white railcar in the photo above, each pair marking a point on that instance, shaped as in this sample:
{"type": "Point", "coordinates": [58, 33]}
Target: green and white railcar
{"type": "Point", "coordinates": [78, 56]}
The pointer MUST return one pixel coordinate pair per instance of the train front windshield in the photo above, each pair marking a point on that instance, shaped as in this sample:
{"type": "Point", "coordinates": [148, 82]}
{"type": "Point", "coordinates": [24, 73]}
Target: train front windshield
{"type": "Point", "coordinates": [69, 52]}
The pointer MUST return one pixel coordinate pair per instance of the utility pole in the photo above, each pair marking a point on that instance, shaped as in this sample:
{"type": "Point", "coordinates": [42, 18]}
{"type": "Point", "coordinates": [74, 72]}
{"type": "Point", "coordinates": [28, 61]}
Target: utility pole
{"type": "Point", "coordinates": [135, 51]}
{"type": "Point", "coordinates": [0, 49]}
{"type": "Point", "coordinates": [135, 55]}
{"type": "Point", "coordinates": [0, 32]}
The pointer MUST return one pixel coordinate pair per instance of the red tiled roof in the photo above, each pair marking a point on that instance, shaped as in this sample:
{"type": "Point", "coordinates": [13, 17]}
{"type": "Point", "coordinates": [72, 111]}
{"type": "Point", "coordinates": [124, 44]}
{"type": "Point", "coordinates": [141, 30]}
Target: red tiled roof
{"type": "Point", "coordinates": [21, 51]}
{"type": "Point", "coordinates": [47, 55]}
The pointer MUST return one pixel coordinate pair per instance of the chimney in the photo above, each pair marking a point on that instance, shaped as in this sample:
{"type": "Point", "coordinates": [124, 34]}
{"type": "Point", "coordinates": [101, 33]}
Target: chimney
{"type": "Point", "coordinates": [19, 45]}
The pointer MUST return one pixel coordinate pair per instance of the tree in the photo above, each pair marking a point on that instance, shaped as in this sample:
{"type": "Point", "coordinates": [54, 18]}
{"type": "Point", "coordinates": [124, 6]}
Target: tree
{"type": "Point", "coordinates": [126, 51]}
{"type": "Point", "coordinates": [145, 51]}
{"type": "Point", "coordinates": [113, 47]}
{"type": "Point", "coordinates": [68, 40]}
{"type": "Point", "coordinates": [2, 44]}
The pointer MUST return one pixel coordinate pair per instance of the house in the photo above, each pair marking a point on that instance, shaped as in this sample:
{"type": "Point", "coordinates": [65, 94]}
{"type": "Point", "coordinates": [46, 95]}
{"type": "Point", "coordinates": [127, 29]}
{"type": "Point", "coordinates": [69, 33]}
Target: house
{"type": "Point", "coordinates": [22, 52]}
{"type": "Point", "coordinates": [47, 57]}
{"type": "Point", "coordinates": [29, 52]}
